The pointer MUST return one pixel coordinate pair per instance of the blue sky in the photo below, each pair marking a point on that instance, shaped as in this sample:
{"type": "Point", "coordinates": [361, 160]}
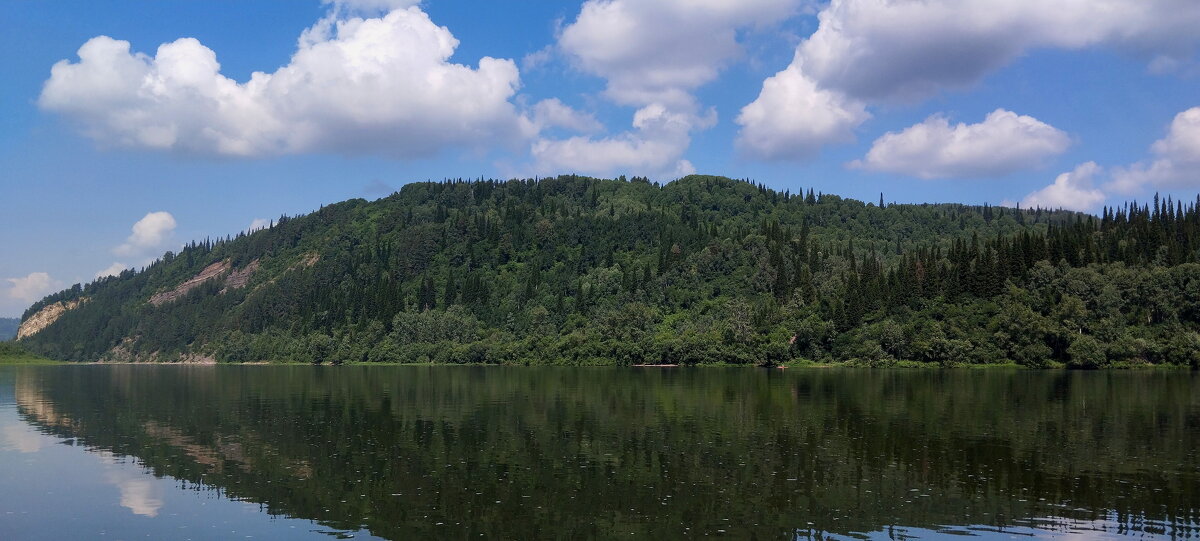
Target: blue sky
{"type": "Point", "coordinates": [131, 150]}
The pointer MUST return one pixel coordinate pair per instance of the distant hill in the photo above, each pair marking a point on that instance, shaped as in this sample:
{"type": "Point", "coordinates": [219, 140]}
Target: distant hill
{"type": "Point", "coordinates": [573, 270]}
{"type": "Point", "coordinates": [8, 327]}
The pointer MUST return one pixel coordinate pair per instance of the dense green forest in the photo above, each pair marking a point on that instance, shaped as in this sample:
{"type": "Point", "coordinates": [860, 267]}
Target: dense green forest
{"type": "Point", "coordinates": [574, 270]}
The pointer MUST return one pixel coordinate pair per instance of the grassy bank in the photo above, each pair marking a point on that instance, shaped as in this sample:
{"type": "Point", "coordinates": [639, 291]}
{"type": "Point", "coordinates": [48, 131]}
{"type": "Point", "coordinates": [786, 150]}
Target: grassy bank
{"type": "Point", "coordinates": [11, 353]}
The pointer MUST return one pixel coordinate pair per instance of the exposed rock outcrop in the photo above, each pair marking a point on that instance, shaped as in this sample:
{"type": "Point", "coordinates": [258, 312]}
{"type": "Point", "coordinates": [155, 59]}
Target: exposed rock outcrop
{"type": "Point", "coordinates": [44, 317]}
{"type": "Point", "coordinates": [238, 278]}
{"type": "Point", "coordinates": [234, 280]}
{"type": "Point", "coordinates": [197, 358]}
{"type": "Point", "coordinates": [121, 353]}
{"type": "Point", "coordinates": [209, 273]}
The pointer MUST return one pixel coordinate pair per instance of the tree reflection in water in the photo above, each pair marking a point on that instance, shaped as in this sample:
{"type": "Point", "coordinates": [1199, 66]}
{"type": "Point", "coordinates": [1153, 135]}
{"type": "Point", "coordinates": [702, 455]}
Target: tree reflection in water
{"type": "Point", "coordinates": [658, 453]}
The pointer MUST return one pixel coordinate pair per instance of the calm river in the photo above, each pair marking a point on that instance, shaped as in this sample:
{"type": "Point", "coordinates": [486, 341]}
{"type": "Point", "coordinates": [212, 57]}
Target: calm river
{"type": "Point", "coordinates": [264, 452]}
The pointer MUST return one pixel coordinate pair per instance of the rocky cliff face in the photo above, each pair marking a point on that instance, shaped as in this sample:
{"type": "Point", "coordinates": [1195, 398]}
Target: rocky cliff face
{"type": "Point", "coordinates": [46, 316]}
{"type": "Point", "coordinates": [238, 278]}
{"type": "Point", "coordinates": [205, 275]}
{"type": "Point", "coordinates": [234, 280]}
{"type": "Point", "coordinates": [210, 272]}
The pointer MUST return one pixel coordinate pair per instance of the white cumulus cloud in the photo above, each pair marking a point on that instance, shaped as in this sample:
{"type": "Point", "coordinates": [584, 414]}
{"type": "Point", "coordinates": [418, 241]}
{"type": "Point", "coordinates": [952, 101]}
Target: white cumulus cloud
{"type": "Point", "coordinates": [257, 224]}
{"type": "Point", "coordinates": [653, 54]}
{"type": "Point", "coordinates": [31, 287]}
{"type": "Point", "coordinates": [1072, 191]}
{"type": "Point", "coordinates": [371, 6]}
{"type": "Point", "coordinates": [653, 148]}
{"type": "Point", "coordinates": [1182, 142]}
{"type": "Point", "coordinates": [380, 85]}
{"type": "Point", "coordinates": [149, 234]}
{"type": "Point", "coordinates": [553, 113]}
{"type": "Point", "coordinates": [1003, 143]}
{"type": "Point", "coordinates": [886, 50]}
{"type": "Point", "coordinates": [657, 51]}
{"type": "Point", "coordinates": [910, 48]}
{"type": "Point", "coordinates": [112, 270]}
{"type": "Point", "coordinates": [793, 118]}
{"type": "Point", "coordinates": [1176, 160]}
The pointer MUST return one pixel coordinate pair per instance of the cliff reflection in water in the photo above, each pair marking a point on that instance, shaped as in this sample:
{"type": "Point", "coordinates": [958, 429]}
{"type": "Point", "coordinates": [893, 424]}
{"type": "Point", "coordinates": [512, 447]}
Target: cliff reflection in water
{"type": "Point", "coordinates": [566, 453]}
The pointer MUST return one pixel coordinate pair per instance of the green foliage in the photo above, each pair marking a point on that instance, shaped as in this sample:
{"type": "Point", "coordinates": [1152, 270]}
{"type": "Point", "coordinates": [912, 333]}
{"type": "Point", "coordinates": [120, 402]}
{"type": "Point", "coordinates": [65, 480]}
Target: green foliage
{"type": "Point", "coordinates": [1086, 352]}
{"type": "Point", "coordinates": [573, 270]}
{"type": "Point", "coordinates": [11, 353]}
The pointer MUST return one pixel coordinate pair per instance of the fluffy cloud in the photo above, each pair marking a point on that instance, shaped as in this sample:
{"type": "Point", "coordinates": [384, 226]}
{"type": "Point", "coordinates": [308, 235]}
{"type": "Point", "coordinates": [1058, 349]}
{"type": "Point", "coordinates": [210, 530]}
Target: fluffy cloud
{"type": "Point", "coordinates": [150, 233]}
{"type": "Point", "coordinates": [874, 49]}
{"type": "Point", "coordinates": [1176, 162]}
{"type": "Point", "coordinates": [1182, 143]}
{"type": "Point", "coordinates": [553, 113]}
{"type": "Point", "coordinates": [257, 224]}
{"type": "Point", "coordinates": [1003, 143]}
{"type": "Point", "coordinates": [371, 6]}
{"type": "Point", "coordinates": [31, 287]}
{"type": "Point", "coordinates": [537, 59]}
{"type": "Point", "coordinates": [1073, 191]}
{"type": "Point", "coordinates": [653, 54]}
{"type": "Point", "coordinates": [885, 50]}
{"type": "Point", "coordinates": [793, 118]}
{"type": "Point", "coordinates": [112, 270]}
{"type": "Point", "coordinates": [655, 148]}
{"type": "Point", "coordinates": [657, 51]}
{"type": "Point", "coordinates": [376, 85]}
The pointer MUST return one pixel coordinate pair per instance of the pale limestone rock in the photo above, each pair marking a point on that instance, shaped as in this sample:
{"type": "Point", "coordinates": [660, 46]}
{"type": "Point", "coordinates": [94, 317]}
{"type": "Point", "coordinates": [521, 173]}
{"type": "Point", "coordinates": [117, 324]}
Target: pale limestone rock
{"type": "Point", "coordinates": [44, 317]}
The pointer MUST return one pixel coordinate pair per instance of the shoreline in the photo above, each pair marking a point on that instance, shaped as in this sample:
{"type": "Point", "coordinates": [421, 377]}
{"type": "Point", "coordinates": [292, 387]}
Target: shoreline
{"type": "Point", "coordinates": [903, 365]}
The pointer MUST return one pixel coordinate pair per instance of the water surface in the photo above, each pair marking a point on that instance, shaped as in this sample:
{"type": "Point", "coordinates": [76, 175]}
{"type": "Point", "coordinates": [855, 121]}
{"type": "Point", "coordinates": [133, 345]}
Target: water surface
{"type": "Point", "coordinates": [215, 452]}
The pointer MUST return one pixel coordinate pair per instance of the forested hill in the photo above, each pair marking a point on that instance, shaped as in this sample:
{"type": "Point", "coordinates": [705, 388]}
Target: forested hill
{"type": "Point", "coordinates": [573, 270]}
